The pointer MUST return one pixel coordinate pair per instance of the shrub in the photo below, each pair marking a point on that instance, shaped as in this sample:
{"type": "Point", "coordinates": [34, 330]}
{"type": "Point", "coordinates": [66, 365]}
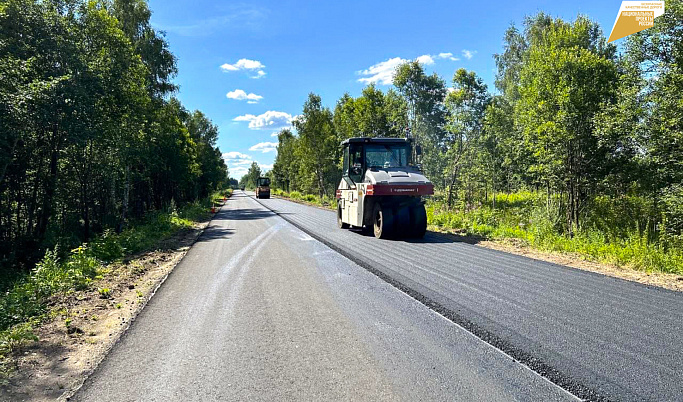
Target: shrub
{"type": "Point", "coordinates": [107, 247]}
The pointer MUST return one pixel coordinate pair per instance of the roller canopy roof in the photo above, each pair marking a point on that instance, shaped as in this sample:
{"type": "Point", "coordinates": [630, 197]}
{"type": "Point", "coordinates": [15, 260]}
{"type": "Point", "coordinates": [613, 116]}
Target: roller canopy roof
{"type": "Point", "coordinates": [365, 140]}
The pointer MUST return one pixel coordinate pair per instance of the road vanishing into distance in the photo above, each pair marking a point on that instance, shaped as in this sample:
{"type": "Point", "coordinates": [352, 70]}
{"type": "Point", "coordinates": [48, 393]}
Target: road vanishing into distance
{"type": "Point", "coordinates": [275, 303]}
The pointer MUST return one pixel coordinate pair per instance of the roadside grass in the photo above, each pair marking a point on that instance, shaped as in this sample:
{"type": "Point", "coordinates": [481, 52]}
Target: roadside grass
{"type": "Point", "coordinates": [325, 202]}
{"type": "Point", "coordinates": [615, 232]}
{"type": "Point", "coordinates": [25, 304]}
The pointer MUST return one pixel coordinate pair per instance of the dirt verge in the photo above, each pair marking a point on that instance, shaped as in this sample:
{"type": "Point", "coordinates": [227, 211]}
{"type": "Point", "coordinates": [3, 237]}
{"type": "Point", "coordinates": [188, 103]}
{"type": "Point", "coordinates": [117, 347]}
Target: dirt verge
{"type": "Point", "coordinates": [84, 325]}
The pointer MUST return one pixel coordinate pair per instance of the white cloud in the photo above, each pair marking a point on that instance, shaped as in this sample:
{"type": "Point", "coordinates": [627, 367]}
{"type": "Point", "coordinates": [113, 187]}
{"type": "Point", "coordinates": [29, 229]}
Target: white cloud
{"type": "Point", "coordinates": [268, 120]}
{"type": "Point", "coordinates": [382, 73]}
{"type": "Point", "coordinates": [238, 163]}
{"type": "Point", "coordinates": [243, 64]}
{"type": "Point", "coordinates": [425, 59]}
{"type": "Point", "coordinates": [448, 56]}
{"type": "Point", "coordinates": [250, 66]}
{"type": "Point", "coordinates": [468, 54]}
{"type": "Point", "coordinates": [237, 172]}
{"type": "Point", "coordinates": [264, 147]}
{"type": "Point", "coordinates": [239, 94]}
{"type": "Point", "coordinates": [235, 159]}
{"type": "Point", "coordinates": [264, 166]}
{"type": "Point", "coordinates": [235, 155]}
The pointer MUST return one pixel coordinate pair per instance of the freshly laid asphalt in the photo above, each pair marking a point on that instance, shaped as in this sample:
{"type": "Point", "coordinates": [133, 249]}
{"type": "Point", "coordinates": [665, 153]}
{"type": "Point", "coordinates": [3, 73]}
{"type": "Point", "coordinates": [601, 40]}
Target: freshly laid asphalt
{"type": "Point", "coordinates": [260, 310]}
{"type": "Point", "coordinates": [597, 336]}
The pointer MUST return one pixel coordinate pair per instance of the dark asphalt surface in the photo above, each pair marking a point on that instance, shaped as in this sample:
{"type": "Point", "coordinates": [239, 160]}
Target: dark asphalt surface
{"type": "Point", "coordinates": [259, 310]}
{"type": "Point", "coordinates": [597, 336]}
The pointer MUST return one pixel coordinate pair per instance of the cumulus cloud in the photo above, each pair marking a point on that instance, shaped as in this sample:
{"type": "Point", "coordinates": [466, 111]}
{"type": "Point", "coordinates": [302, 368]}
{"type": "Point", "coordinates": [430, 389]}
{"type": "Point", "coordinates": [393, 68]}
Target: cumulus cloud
{"type": "Point", "coordinates": [425, 59]}
{"type": "Point", "coordinates": [235, 159]}
{"type": "Point", "coordinates": [264, 147]}
{"type": "Point", "coordinates": [448, 56]}
{"type": "Point", "coordinates": [237, 172]}
{"type": "Point", "coordinates": [238, 163]}
{"type": "Point", "coordinates": [235, 155]}
{"type": "Point", "coordinates": [250, 66]}
{"type": "Point", "coordinates": [382, 73]}
{"type": "Point", "coordinates": [268, 120]}
{"type": "Point", "coordinates": [265, 166]}
{"type": "Point", "coordinates": [239, 94]}
{"type": "Point", "coordinates": [468, 54]}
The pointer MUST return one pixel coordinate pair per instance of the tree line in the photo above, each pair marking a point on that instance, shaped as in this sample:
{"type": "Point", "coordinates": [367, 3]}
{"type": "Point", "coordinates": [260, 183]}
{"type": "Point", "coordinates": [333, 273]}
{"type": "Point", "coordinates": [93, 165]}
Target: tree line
{"type": "Point", "coordinates": [90, 134]}
{"type": "Point", "coordinates": [571, 118]}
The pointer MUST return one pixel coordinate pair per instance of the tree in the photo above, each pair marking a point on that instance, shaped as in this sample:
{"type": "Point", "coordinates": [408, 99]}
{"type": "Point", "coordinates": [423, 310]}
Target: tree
{"type": "Point", "coordinates": [317, 148]}
{"type": "Point", "coordinates": [285, 167]}
{"type": "Point", "coordinates": [250, 179]}
{"type": "Point", "coordinates": [88, 134]}
{"type": "Point", "coordinates": [658, 51]}
{"type": "Point", "coordinates": [424, 98]}
{"type": "Point", "coordinates": [466, 105]}
{"type": "Point", "coordinates": [569, 74]}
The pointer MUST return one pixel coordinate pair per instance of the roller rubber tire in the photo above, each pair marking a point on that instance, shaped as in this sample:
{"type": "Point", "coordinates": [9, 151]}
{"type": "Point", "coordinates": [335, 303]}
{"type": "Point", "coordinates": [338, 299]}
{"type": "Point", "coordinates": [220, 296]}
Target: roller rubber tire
{"type": "Point", "coordinates": [383, 222]}
{"type": "Point", "coordinates": [418, 221]}
{"type": "Point", "coordinates": [402, 223]}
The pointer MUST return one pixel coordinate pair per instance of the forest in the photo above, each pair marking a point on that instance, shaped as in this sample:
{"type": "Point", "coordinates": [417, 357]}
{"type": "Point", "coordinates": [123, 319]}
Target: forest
{"type": "Point", "coordinates": [92, 139]}
{"type": "Point", "coordinates": [579, 147]}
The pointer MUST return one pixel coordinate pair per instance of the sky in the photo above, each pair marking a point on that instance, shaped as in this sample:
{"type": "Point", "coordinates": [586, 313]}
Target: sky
{"type": "Point", "coordinates": [249, 66]}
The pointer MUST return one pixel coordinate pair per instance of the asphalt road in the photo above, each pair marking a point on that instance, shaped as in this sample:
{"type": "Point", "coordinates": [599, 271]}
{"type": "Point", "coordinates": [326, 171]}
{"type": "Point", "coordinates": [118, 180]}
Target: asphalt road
{"type": "Point", "coordinates": [597, 336]}
{"type": "Point", "coordinates": [259, 310]}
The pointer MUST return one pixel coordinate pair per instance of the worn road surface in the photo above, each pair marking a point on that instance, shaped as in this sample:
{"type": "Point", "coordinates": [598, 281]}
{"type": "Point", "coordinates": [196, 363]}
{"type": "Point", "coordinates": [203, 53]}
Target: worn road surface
{"type": "Point", "coordinates": [260, 310]}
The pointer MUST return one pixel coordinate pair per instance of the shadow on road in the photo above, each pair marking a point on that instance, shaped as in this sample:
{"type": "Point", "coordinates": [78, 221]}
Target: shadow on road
{"type": "Point", "coordinates": [215, 232]}
{"type": "Point", "coordinates": [243, 214]}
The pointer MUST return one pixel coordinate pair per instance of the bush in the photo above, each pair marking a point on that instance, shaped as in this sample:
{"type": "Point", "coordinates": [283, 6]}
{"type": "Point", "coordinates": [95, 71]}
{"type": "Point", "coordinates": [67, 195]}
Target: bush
{"type": "Point", "coordinates": [107, 247]}
{"type": "Point", "coordinates": [672, 224]}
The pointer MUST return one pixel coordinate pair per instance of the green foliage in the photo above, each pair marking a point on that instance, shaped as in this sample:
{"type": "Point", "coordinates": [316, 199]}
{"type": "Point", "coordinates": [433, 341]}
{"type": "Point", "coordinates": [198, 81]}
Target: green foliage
{"type": "Point", "coordinates": [90, 139]}
{"type": "Point", "coordinates": [11, 340]}
{"type": "Point", "coordinates": [673, 214]}
{"type": "Point", "coordinates": [105, 293]}
{"type": "Point", "coordinates": [615, 232]}
{"type": "Point", "coordinates": [250, 179]}
{"type": "Point", "coordinates": [26, 301]}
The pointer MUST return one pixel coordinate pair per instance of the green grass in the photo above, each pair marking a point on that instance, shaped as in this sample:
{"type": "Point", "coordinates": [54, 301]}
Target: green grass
{"type": "Point", "coordinates": [615, 231]}
{"type": "Point", "coordinates": [24, 305]}
{"type": "Point", "coordinates": [325, 202]}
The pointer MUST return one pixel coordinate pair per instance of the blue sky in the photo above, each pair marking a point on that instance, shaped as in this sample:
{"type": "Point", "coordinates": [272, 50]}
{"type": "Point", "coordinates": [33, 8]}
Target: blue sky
{"type": "Point", "coordinates": [250, 66]}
